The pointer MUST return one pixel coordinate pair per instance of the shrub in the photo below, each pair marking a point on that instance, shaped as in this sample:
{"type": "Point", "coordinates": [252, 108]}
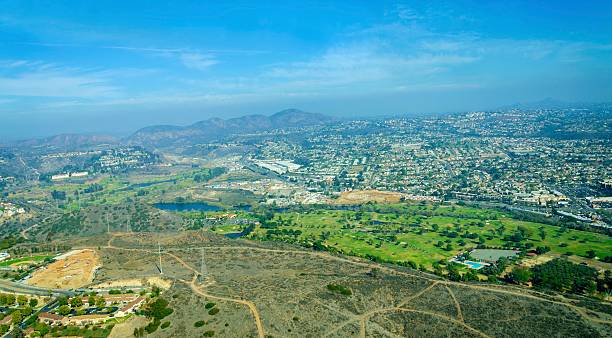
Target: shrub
{"type": "Point", "coordinates": [209, 333]}
{"type": "Point", "coordinates": [158, 309]}
{"type": "Point", "coordinates": [165, 325]}
{"type": "Point", "coordinates": [337, 288]}
{"type": "Point", "coordinates": [152, 326]}
{"type": "Point", "coordinates": [209, 305]}
{"type": "Point", "coordinates": [213, 311]}
{"type": "Point", "coordinates": [199, 323]}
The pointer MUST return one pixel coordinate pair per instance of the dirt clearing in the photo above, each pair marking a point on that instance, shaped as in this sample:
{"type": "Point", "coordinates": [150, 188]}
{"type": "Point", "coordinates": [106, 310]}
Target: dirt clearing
{"type": "Point", "coordinates": [72, 270]}
{"type": "Point", "coordinates": [126, 329]}
{"type": "Point", "coordinates": [364, 196]}
{"type": "Point", "coordinates": [135, 282]}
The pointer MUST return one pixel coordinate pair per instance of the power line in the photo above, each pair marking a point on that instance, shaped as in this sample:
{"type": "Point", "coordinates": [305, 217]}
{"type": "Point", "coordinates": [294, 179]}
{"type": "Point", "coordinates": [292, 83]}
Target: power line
{"type": "Point", "coordinates": [161, 270]}
{"type": "Point", "coordinates": [203, 271]}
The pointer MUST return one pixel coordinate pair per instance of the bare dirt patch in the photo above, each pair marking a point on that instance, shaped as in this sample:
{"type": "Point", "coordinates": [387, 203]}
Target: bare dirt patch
{"type": "Point", "coordinates": [146, 281]}
{"type": "Point", "coordinates": [364, 196]}
{"type": "Point", "coordinates": [126, 329]}
{"type": "Point", "coordinates": [70, 271]}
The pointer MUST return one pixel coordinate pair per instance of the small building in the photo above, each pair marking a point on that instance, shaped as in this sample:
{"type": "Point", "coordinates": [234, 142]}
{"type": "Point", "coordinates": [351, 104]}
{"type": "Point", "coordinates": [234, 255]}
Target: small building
{"type": "Point", "coordinates": [85, 319]}
{"type": "Point", "coordinates": [6, 321]}
{"type": "Point", "coordinates": [50, 318]}
{"type": "Point", "coordinates": [130, 307]}
{"type": "Point", "coordinates": [600, 202]}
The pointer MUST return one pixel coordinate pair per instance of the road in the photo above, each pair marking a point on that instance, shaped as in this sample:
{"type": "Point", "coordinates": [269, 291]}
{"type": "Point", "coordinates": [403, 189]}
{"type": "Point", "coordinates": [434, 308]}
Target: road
{"type": "Point", "coordinates": [10, 286]}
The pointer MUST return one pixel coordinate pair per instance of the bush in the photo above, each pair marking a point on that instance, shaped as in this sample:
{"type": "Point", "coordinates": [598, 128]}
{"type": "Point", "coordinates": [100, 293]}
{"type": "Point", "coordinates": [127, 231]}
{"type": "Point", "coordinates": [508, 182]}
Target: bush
{"type": "Point", "coordinates": [213, 311]}
{"type": "Point", "coordinates": [199, 323]}
{"type": "Point", "coordinates": [152, 326]}
{"type": "Point", "coordinates": [520, 275]}
{"type": "Point", "coordinates": [562, 275]}
{"type": "Point", "coordinates": [165, 325]}
{"type": "Point", "coordinates": [337, 288]}
{"type": "Point", "coordinates": [209, 305]}
{"type": "Point", "coordinates": [209, 333]}
{"type": "Point", "coordinates": [158, 309]}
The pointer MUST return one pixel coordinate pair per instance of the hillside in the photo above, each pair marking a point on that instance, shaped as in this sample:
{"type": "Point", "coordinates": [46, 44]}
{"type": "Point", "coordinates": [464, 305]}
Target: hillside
{"type": "Point", "coordinates": [217, 128]}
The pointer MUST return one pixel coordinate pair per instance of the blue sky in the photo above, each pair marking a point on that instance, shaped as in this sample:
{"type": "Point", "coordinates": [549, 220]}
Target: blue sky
{"type": "Point", "coordinates": [115, 66]}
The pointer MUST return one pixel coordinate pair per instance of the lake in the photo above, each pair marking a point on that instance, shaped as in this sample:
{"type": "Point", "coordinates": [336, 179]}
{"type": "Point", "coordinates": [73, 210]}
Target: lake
{"type": "Point", "coordinates": [194, 206]}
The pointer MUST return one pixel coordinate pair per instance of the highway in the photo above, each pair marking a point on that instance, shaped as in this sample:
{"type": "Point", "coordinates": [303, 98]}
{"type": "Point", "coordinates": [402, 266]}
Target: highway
{"type": "Point", "coordinates": [15, 287]}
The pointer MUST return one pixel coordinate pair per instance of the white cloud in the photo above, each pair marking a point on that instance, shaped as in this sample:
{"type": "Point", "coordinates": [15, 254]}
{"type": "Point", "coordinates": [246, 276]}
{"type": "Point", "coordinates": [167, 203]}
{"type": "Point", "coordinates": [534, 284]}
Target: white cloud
{"type": "Point", "coordinates": [34, 78]}
{"type": "Point", "coordinates": [198, 61]}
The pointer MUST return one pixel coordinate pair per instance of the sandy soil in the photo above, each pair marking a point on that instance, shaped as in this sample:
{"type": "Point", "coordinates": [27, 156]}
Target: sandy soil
{"type": "Point", "coordinates": [126, 329]}
{"type": "Point", "coordinates": [537, 260]}
{"type": "Point", "coordinates": [364, 196]}
{"type": "Point", "coordinates": [156, 281]}
{"type": "Point", "coordinates": [70, 271]}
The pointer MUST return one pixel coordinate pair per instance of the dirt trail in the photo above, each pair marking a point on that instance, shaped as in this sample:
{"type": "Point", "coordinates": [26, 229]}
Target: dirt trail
{"type": "Point", "coordinates": [457, 305]}
{"type": "Point", "coordinates": [194, 286]}
{"type": "Point", "coordinates": [364, 317]}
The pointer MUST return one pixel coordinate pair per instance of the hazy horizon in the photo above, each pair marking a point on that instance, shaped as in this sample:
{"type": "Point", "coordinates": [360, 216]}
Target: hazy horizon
{"type": "Point", "coordinates": [117, 67]}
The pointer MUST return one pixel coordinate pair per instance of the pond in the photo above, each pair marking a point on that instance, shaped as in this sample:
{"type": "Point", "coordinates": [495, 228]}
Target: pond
{"type": "Point", "coordinates": [244, 232]}
{"type": "Point", "coordinates": [193, 206]}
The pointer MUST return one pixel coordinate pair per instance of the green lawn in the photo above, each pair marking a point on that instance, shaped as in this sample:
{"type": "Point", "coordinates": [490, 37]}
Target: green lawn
{"type": "Point", "coordinates": [405, 232]}
{"type": "Point", "coordinates": [23, 259]}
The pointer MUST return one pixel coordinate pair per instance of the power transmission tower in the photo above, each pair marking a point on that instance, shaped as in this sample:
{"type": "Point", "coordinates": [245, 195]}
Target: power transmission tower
{"type": "Point", "coordinates": [161, 271]}
{"type": "Point", "coordinates": [203, 271]}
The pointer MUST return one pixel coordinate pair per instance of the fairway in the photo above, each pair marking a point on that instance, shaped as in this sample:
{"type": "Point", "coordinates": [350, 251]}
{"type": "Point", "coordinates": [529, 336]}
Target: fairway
{"type": "Point", "coordinates": [23, 260]}
{"type": "Point", "coordinates": [422, 234]}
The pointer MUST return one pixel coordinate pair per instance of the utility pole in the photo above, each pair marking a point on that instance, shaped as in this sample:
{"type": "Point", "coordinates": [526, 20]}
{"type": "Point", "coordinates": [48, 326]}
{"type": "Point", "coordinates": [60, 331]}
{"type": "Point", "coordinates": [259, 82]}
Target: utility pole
{"type": "Point", "coordinates": [203, 271]}
{"type": "Point", "coordinates": [161, 271]}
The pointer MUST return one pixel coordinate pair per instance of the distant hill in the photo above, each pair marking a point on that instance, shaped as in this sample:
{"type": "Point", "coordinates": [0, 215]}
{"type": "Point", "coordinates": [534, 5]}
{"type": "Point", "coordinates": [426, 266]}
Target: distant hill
{"type": "Point", "coordinates": [217, 128]}
{"type": "Point", "coordinates": [66, 141]}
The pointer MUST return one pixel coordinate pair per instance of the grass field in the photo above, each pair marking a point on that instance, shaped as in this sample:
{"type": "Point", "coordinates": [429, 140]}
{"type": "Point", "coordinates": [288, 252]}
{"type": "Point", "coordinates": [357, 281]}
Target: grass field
{"type": "Point", "coordinates": [423, 234]}
{"type": "Point", "coordinates": [23, 260]}
{"type": "Point", "coordinates": [186, 183]}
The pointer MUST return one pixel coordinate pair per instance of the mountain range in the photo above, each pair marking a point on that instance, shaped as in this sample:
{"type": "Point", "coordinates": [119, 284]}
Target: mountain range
{"type": "Point", "coordinates": [217, 128]}
{"type": "Point", "coordinates": [171, 135]}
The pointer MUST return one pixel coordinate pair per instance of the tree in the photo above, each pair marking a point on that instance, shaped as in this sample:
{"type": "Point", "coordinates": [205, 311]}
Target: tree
{"type": "Point", "coordinates": [91, 300]}
{"type": "Point", "coordinates": [58, 195]}
{"type": "Point", "coordinates": [520, 275]}
{"type": "Point", "coordinates": [16, 317]}
{"type": "Point", "coordinates": [33, 302]}
{"type": "Point", "coordinates": [10, 299]}
{"type": "Point", "coordinates": [22, 300]}
{"type": "Point", "coordinates": [453, 274]}
{"type": "Point", "coordinates": [42, 328]}
{"type": "Point", "coordinates": [562, 275]}
{"type": "Point", "coordinates": [158, 309]}
{"type": "Point", "coordinates": [62, 300]}
{"type": "Point", "coordinates": [26, 311]}
{"type": "Point", "coordinates": [76, 301]}
{"type": "Point", "coordinates": [100, 301]}
{"type": "Point", "coordinates": [64, 310]}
